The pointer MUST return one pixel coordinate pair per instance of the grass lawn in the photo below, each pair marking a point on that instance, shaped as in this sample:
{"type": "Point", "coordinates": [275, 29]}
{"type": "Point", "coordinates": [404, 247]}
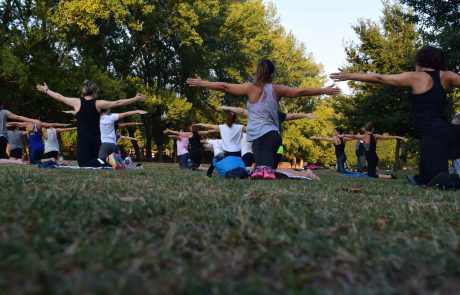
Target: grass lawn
{"type": "Point", "coordinates": [162, 230]}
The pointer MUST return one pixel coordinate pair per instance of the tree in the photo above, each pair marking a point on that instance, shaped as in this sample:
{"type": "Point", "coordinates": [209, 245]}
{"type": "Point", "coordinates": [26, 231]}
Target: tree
{"type": "Point", "coordinates": [388, 47]}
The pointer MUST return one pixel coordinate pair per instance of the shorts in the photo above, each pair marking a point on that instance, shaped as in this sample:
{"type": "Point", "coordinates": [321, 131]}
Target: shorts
{"type": "Point", "coordinates": [52, 154]}
{"type": "Point", "coordinates": [35, 156]}
{"type": "Point", "coordinates": [106, 150]}
{"type": "Point", "coordinates": [16, 153]}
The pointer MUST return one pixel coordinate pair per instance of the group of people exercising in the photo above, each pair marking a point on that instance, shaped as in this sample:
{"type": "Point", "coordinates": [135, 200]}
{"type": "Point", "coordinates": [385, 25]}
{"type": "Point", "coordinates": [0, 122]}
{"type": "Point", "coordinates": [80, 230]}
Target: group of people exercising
{"type": "Point", "coordinates": [260, 141]}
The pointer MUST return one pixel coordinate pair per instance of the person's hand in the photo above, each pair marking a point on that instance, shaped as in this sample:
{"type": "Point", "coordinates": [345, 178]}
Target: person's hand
{"type": "Point", "coordinates": [402, 138]}
{"type": "Point", "coordinates": [340, 76]}
{"type": "Point", "coordinates": [42, 88]}
{"type": "Point", "coordinates": [166, 131]}
{"type": "Point", "coordinates": [311, 116]}
{"type": "Point", "coordinates": [140, 97]}
{"type": "Point", "coordinates": [331, 90]}
{"type": "Point", "coordinates": [195, 82]}
{"type": "Point", "coordinates": [223, 108]}
{"type": "Point", "coordinates": [313, 137]}
{"type": "Point", "coordinates": [140, 112]}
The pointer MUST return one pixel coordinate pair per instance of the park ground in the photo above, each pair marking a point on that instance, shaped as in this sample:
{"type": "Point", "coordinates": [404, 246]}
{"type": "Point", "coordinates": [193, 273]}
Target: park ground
{"type": "Point", "coordinates": [162, 231]}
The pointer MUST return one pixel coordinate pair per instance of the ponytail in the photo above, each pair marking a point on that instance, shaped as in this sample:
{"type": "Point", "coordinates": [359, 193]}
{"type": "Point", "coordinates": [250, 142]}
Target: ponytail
{"type": "Point", "coordinates": [231, 118]}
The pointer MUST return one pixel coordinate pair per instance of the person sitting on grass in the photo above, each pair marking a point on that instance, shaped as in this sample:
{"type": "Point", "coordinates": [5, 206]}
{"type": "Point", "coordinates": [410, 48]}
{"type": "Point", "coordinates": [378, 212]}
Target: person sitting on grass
{"type": "Point", "coordinates": [15, 136]}
{"type": "Point", "coordinates": [108, 136]}
{"type": "Point", "coordinates": [4, 114]}
{"type": "Point", "coordinates": [339, 145]}
{"type": "Point", "coordinates": [88, 109]}
{"type": "Point", "coordinates": [196, 146]}
{"type": "Point", "coordinates": [263, 105]}
{"type": "Point", "coordinates": [456, 162]}
{"type": "Point", "coordinates": [370, 143]}
{"type": "Point", "coordinates": [182, 149]}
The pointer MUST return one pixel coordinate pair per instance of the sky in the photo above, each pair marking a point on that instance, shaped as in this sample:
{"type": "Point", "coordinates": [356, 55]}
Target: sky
{"type": "Point", "coordinates": [325, 25]}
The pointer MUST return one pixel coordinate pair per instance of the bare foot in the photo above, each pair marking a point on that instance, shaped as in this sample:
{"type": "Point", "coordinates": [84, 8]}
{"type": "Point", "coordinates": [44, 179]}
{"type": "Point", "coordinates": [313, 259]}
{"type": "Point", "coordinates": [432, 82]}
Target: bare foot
{"type": "Point", "coordinates": [312, 175]}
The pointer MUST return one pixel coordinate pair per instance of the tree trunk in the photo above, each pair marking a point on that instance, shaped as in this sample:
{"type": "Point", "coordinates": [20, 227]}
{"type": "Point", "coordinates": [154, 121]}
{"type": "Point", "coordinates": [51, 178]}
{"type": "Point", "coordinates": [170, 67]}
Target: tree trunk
{"type": "Point", "coordinates": [158, 135]}
{"type": "Point", "coordinates": [148, 137]}
{"type": "Point", "coordinates": [397, 163]}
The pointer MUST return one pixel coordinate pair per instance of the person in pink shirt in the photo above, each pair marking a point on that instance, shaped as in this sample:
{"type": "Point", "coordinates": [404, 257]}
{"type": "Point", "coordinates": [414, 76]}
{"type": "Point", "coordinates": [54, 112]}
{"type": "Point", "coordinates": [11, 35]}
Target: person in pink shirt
{"type": "Point", "coordinates": [182, 149]}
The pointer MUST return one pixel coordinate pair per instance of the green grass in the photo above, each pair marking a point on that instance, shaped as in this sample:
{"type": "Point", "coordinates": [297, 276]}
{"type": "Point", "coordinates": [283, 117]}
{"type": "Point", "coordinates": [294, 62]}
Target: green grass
{"type": "Point", "coordinates": [162, 230]}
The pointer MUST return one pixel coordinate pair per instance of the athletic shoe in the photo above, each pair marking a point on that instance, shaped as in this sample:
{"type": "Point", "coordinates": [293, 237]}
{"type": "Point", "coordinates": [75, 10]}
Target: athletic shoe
{"type": "Point", "coordinates": [269, 174]}
{"type": "Point", "coordinates": [412, 181]}
{"type": "Point", "coordinates": [257, 173]}
{"type": "Point", "coordinates": [115, 161]}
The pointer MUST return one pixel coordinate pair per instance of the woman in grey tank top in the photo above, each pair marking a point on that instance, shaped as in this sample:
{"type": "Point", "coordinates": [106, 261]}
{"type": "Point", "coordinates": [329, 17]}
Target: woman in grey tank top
{"type": "Point", "coordinates": [262, 103]}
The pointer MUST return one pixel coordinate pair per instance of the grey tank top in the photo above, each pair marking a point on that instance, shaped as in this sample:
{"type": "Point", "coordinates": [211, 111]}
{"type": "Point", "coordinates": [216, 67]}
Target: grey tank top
{"type": "Point", "coordinates": [3, 129]}
{"type": "Point", "coordinates": [15, 139]}
{"type": "Point", "coordinates": [263, 115]}
{"type": "Point", "coordinates": [51, 143]}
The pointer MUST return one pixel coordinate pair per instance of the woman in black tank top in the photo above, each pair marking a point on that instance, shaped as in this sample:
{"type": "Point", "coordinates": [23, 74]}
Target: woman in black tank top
{"type": "Point", "coordinates": [339, 144]}
{"type": "Point", "coordinates": [370, 145]}
{"type": "Point", "coordinates": [440, 141]}
{"type": "Point", "coordinates": [87, 109]}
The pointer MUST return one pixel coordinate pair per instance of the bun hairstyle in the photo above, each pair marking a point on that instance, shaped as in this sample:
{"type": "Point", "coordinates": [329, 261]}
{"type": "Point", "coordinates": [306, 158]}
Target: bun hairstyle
{"type": "Point", "coordinates": [369, 127]}
{"type": "Point", "coordinates": [231, 119]}
{"type": "Point", "coordinates": [431, 57]}
{"type": "Point", "coordinates": [361, 131]}
{"type": "Point", "coordinates": [89, 89]}
{"type": "Point", "coordinates": [264, 73]}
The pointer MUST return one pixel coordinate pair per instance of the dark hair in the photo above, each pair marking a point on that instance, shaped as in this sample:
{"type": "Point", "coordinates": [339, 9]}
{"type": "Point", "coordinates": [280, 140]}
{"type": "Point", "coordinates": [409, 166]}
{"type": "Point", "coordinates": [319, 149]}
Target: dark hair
{"type": "Point", "coordinates": [89, 89]}
{"type": "Point", "coordinates": [369, 126]}
{"type": "Point", "coordinates": [264, 73]}
{"type": "Point", "coordinates": [231, 118]}
{"type": "Point", "coordinates": [361, 131]}
{"type": "Point", "coordinates": [1, 103]}
{"type": "Point", "coordinates": [194, 128]}
{"type": "Point", "coordinates": [339, 130]}
{"type": "Point", "coordinates": [431, 57]}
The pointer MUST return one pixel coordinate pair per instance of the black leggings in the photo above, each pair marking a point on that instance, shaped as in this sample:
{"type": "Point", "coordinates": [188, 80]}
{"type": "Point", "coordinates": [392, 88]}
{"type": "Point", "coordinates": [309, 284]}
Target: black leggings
{"type": "Point", "coordinates": [87, 153]}
{"type": "Point", "coordinates": [248, 159]}
{"type": "Point", "coordinates": [372, 163]}
{"type": "Point", "coordinates": [195, 157]}
{"type": "Point", "coordinates": [3, 143]}
{"type": "Point", "coordinates": [265, 148]}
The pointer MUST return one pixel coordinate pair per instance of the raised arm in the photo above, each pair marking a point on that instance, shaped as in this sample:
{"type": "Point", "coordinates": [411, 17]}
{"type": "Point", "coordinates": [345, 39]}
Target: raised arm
{"type": "Point", "coordinates": [235, 89]}
{"type": "Point", "coordinates": [70, 101]}
{"type": "Point", "coordinates": [388, 137]}
{"type": "Point", "coordinates": [132, 113]}
{"type": "Point", "coordinates": [239, 111]}
{"type": "Point", "coordinates": [209, 126]}
{"type": "Point", "coordinates": [105, 104]}
{"type": "Point", "coordinates": [299, 116]}
{"type": "Point", "coordinates": [285, 91]}
{"type": "Point", "coordinates": [408, 79]}
{"type": "Point", "coordinates": [12, 116]}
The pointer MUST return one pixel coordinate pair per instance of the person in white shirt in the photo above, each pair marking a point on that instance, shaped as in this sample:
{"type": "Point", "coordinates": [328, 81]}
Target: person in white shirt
{"type": "Point", "coordinates": [108, 135]}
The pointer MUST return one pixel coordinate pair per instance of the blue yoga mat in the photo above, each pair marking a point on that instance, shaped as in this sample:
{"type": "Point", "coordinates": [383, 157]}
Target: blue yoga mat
{"type": "Point", "coordinates": [355, 175]}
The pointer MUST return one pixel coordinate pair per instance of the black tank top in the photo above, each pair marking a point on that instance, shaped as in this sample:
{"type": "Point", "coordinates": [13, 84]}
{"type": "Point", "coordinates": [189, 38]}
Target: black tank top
{"type": "Point", "coordinates": [429, 106]}
{"type": "Point", "coordinates": [340, 148]}
{"type": "Point", "coordinates": [88, 121]}
{"type": "Point", "coordinates": [195, 142]}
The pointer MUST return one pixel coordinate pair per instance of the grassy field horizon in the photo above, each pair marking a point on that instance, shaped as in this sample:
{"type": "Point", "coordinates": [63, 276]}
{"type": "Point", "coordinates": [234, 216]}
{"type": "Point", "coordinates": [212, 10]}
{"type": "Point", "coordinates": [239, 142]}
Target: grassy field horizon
{"type": "Point", "coordinates": [162, 230]}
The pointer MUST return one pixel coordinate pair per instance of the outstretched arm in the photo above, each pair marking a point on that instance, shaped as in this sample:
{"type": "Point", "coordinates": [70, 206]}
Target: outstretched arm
{"type": "Point", "coordinates": [353, 136]}
{"type": "Point", "coordinates": [173, 136]}
{"type": "Point", "coordinates": [70, 112]}
{"type": "Point", "coordinates": [285, 91]}
{"type": "Point", "coordinates": [12, 116]}
{"type": "Point", "coordinates": [209, 126]}
{"type": "Point", "coordinates": [59, 130]}
{"type": "Point", "coordinates": [70, 101]}
{"type": "Point", "coordinates": [235, 89]}
{"type": "Point", "coordinates": [105, 104]}
{"type": "Point", "coordinates": [53, 125]}
{"type": "Point", "coordinates": [132, 113]}
{"type": "Point", "coordinates": [323, 139]}
{"type": "Point", "coordinates": [206, 133]}
{"type": "Point", "coordinates": [128, 138]}
{"type": "Point", "coordinates": [129, 124]}
{"type": "Point", "coordinates": [405, 79]}
{"type": "Point", "coordinates": [388, 137]}
{"type": "Point", "coordinates": [239, 111]}
{"type": "Point", "coordinates": [298, 116]}
{"type": "Point", "coordinates": [454, 79]}
{"type": "Point", "coordinates": [177, 133]}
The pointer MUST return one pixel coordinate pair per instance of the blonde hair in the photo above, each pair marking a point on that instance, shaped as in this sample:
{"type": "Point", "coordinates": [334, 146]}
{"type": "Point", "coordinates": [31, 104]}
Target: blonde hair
{"type": "Point", "coordinates": [89, 89]}
{"type": "Point", "coordinates": [264, 73]}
